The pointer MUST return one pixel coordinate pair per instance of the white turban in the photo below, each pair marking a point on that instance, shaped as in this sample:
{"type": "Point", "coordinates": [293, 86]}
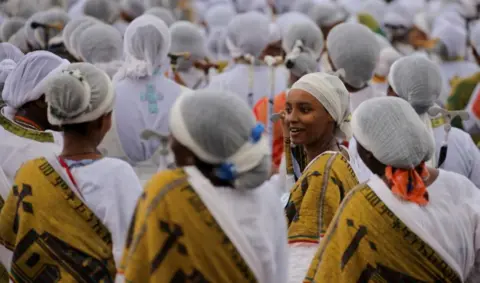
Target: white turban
{"type": "Point", "coordinates": [247, 34]}
{"type": "Point", "coordinates": [146, 44]}
{"type": "Point", "coordinates": [27, 81]}
{"type": "Point", "coordinates": [10, 55]}
{"type": "Point", "coordinates": [388, 56]}
{"type": "Point", "coordinates": [390, 129]}
{"type": "Point", "coordinates": [454, 37]}
{"type": "Point", "coordinates": [332, 94]}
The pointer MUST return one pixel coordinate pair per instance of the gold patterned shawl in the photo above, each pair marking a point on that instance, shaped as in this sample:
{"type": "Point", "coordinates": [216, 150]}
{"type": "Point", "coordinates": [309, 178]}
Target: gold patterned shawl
{"type": "Point", "coordinates": [53, 235]}
{"type": "Point", "coordinates": [173, 237]}
{"type": "Point", "coordinates": [367, 242]}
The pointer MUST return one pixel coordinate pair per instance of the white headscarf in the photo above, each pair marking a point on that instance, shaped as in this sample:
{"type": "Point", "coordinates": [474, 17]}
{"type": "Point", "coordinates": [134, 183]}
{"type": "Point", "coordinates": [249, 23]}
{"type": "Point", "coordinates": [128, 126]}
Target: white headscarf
{"type": "Point", "coordinates": [27, 81]}
{"type": "Point", "coordinates": [9, 57]}
{"type": "Point", "coordinates": [333, 95]}
{"type": "Point", "coordinates": [146, 44]}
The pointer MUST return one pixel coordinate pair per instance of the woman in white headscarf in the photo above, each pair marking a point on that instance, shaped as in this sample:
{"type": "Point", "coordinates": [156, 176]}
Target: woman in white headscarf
{"type": "Point", "coordinates": [10, 55]}
{"type": "Point", "coordinates": [102, 45]}
{"type": "Point", "coordinates": [409, 222]}
{"type": "Point", "coordinates": [217, 19]}
{"type": "Point", "coordinates": [191, 69]}
{"type": "Point", "coordinates": [72, 31]}
{"type": "Point", "coordinates": [317, 115]}
{"type": "Point", "coordinates": [353, 52]}
{"type": "Point", "coordinates": [452, 49]}
{"type": "Point", "coordinates": [418, 80]}
{"type": "Point", "coordinates": [387, 57]}
{"type": "Point", "coordinates": [25, 131]}
{"type": "Point", "coordinates": [54, 20]}
{"type": "Point", "coordinates": [144, 97]}
{"type": "Point", "coordinates": [229, 222]}
{"type": "Point", "coordinates": [248, 77]}
{"type": "Point", "coordinates": [77, 197]}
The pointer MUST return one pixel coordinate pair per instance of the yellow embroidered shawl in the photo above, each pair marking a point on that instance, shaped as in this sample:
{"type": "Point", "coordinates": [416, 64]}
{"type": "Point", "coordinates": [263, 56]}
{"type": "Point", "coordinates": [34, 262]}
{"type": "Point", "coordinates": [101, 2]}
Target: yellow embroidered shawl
{"type": "Point", "coordinates": [317, 195]}
{"type": "Point", "coordinates": [174, 238]}
{"type": "Point", "coordinates": [366, 242]}
{"type": "Point", "coordinates": [53, 235]}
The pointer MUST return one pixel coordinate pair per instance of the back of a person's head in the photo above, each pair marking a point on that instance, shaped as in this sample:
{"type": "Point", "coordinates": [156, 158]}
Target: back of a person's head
{"type": "Point", "coordinates": [418, 80]}
{"type": "Point", "coordinates": [146, 44]}
{"type": "Point", "coordinates": [303, 43]}
{"type": "Point", "coordinates": [104, 10]}
{"type": "Point", "coordinates": [133, 8]}
{"type": "Point", "coordinates": [9, 27]}
{"type": "Point", "coordinates": [100, 43]}
{"type": "Point", "coordinates": [327, 14]}
{"type": "Point", "coordinates": [162, 13]}
{"type": "Point", "coordinates": [187, 37]}
{"type": "Point", "coordinates": [247, 34]}
{"type": "Point", "coordinates": [25, 82]}
{"type": "Point", "coordinates": [54, 17]}
{"type": "Point", "coordinates": [78, 94]}
{"type": "Point", "coordinates": [390, 129]}
{"type": "Point", "coordinates": [219, 15]}
{"type": "Point", "coordinates": [388, 56]}
{"type": "Point", "coordinates": [223, 131]}
{"type": "Point", "coordinates": [355, 49]}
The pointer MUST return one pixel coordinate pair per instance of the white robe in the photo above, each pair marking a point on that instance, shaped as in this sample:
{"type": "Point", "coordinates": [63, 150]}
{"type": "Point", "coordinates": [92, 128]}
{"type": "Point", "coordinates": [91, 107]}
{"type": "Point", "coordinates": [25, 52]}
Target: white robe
{"type": "Point", "coordinates": [449, 223]}
{"type": "Point", "coordinates": [110, 188]}
{"type": "Point", "coordinates": [356, 98]}
{"type": "Point", "coordinates": [236, 79]}
{"type": "Point", "coordinates": [463, 157]}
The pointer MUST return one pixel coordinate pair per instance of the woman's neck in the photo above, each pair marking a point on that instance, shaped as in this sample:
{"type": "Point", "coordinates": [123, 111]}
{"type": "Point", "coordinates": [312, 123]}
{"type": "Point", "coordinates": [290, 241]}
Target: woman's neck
{"type": "Point", "coordinates": [79, 147]}
{"type": "Point", "coordinates": [315, 150]}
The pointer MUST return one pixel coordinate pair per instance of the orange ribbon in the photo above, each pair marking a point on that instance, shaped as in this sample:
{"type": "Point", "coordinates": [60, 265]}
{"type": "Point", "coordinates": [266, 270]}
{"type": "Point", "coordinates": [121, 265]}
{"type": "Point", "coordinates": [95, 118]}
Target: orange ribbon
{"type": "Point", "coordinates": [408, 183]}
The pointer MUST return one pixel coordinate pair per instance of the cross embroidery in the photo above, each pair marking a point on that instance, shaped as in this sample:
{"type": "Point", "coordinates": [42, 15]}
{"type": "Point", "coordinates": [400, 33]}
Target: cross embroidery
{"type": "Point", "coordinates": [151, 97]}
{"type": "Point", "coordinates": [174, 232]}
{"type": "Point", "coordinates": [27, 206]}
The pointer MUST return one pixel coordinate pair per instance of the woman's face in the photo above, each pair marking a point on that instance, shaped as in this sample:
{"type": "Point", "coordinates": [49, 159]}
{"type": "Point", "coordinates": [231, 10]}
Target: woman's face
{"type": "Point", "coordinates": [306, 118]}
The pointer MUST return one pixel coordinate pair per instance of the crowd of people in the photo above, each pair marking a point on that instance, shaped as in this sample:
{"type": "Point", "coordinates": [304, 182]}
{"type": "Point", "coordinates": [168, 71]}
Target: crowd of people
{"type": "Point", "coordinates": [266, 141]}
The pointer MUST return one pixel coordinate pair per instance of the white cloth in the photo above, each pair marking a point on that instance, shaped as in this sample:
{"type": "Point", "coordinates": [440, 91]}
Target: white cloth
{"type": "Point", "coordinates": [143, 104]}
{"type": "Point", "coordinates": [110, 188]}
{"type": "Point", "coordinates": [237, 80]}
{"type": "Point", "coordinates": [360, 96]}
{"type": "Point", "coordinates": [449, 223]}
{"type": "Point", "coordinates": [15, 150]}
{"type": "Point", "coordinates": [193, 78]}
{"type": "Point", "coordinates": [452, 70]}
{"type": "Point", "coordinates": [332, 94]}
{"type": "Point", "coordinates": [253, 220]}
{"type": "Point", "coordinates": [463, 157]}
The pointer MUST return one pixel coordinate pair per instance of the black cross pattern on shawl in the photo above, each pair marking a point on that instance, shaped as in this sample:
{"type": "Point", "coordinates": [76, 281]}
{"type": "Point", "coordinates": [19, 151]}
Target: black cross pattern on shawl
{"type": "Point", "coordinates": [387, 274]}
{"type": "Point", "coordinates": [353, 246]}
{"type": "Point", "coordinates": [175, 232]}
{"type": "Point", "coordinates": [26, 206]}
{"type": "Point", "coordinates": [196, 276]}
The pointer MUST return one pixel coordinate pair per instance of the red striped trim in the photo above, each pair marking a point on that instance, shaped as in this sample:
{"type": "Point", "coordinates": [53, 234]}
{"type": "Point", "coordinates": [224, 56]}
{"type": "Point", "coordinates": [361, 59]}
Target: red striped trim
{"type": "Point", "coordinates": [303, 241]}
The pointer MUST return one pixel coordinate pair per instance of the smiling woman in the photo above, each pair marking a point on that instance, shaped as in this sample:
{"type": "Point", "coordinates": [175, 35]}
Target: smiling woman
{"type": "Point", "coordinates": [317, 114]}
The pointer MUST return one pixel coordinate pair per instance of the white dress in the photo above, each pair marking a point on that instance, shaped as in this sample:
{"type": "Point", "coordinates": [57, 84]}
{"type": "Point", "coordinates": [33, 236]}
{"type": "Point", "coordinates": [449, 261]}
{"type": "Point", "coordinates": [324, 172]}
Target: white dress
{"type": "Point", "coordinates": [110, 188]}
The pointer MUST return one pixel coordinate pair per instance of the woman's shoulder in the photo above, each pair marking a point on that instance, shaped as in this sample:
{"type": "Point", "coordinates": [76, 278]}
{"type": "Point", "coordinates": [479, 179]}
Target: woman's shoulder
{"type": "Point", "coordinates": [166, 180]}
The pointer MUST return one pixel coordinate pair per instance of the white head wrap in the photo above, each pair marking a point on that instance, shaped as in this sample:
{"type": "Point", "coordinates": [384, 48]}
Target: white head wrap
{"type": "Point", "coordinates": [327, 14]}
{"type": "Point", "coordinates": [133, 8]}
{"type": "Point", "coordinates": [454, 37]}
{"type": "Point", "coordinates": [274, 35]}
{"type": "Point", "coordinates": [387, 57]}
{"type": "Point", "coordinates": [146, 43]}
{"type": "Point", "coordinates": [9, 27]}
{"type": "Point", "coordinates": [285, 21]}
{"type": "Point", "coordinates": [80, 93]}
{"type": "Point", "coordinates": [53, 17]}
{"type": "Point", "coordinates": [219, 15]}
{"type": "Point", "coordinates": [247, 34]}
{"type": "Point", "coordinates": [27, 81]}
{"type": "Point", "coordinates": [219, 128]}
{"type": "Point", "coordinates": [81, 24]}
{"type": "Point", "coordinates": [9, 57]}
{"type": "Point", "coordinates": [333, 95]}
{"type": "Point", "coordinates": [303, 44]}
{"type": "Point", "coordinates": [104, 10]}
{"type": "Point", "coordinates": [100, 43]}
{"type": "Point", "coordinates": [390, 129]}
{"type": "Point", "coordinates": [418, 80]}
{"type": "Point", "coordinates": [302, 6]}
{"type": "Point", "coordinates": [187, 37]}
{"type": "Point", "coordinates": [355, 49]}
{"type": "Point", "coordinates": [162, 13]}
{"type": "Point", "coordinates": [245, 6]}
{"type": "Point", "coordinates": [21, 8]}
{"type": "Point", "coordinates": [376, 8]}
{"type": "Point", "coordinates": [399, 13]}
{"type": "Point", "coordinates": [19, 39]}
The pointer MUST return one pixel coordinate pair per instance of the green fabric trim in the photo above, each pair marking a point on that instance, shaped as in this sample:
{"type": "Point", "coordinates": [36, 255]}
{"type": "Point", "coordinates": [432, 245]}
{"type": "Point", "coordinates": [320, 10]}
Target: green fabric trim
{"type": "Point", "coordinates": [20, 131]}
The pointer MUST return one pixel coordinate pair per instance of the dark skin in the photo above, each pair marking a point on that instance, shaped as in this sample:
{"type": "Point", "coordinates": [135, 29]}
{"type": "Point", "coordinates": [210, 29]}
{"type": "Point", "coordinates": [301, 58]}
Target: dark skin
{"type": "Point", "coordinates": [308, 123]}
{"type": "Point", "coordinates": [185, 157]}
{"type": "Point", "coordinates": [476, 55]}
{"type": "Point", "coordinates": [36, 111]}
{"type": "Point", "coordinates": [378, 168]}
{"type": "Point", "coordinates": [82, 144]}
